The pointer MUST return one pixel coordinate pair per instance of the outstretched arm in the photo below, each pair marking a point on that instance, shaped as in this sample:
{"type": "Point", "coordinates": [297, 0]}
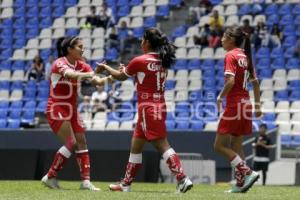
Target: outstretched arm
{"type": "Point", "coordinates": [116, 74]}
{"type": "Point", "coordinates": [78, 75]}
{"type": "Point", "coordinates": [96, 80]}
{"type": "Point", "coordinates": [257, 106]}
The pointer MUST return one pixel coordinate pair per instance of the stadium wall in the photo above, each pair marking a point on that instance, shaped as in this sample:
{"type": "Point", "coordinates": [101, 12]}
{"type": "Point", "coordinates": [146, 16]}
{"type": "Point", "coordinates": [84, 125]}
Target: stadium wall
{"type": "Point", "coordinates": [27, 154]}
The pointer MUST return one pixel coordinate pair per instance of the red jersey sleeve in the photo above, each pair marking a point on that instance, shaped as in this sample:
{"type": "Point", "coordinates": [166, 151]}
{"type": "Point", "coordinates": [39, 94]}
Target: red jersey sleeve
{"type": "Point", "coordinates": [230, 65]}
{"type": "Point", "coordinates": [86, 67]}
{"type": "Point", "coordinates": [133, 67]}
{"type": "Point", "coordinates": [62, 67]}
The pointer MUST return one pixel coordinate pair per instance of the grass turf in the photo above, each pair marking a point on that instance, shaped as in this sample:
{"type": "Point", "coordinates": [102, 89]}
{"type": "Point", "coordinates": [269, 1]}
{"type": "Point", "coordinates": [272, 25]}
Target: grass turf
{"type": "Point", "coordinates": [33, 190]}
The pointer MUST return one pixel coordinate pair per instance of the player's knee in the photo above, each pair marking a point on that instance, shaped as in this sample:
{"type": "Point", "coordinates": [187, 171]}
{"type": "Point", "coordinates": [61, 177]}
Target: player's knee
{"type": "Point", "coordinates": [217, 147]}
{"type": "Point", "coordinates": [70, 143]}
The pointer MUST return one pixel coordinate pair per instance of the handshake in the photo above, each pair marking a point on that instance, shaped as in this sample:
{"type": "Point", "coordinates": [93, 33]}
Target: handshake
{"type": "Point", "coordinates": [101, 67]}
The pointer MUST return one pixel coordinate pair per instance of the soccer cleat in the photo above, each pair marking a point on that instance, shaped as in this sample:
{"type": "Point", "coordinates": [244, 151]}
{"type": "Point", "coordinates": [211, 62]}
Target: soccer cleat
{"type": "Point", "coordinates": [119, 187]}
{"type": "Point", "coordinates": [234, 189]}
{"type": "Point", "coordinates": [249, 181]}
{"type": "Point", "coordinates": [184, 185]}
{"type": "Point", "coordinates": [88, 186]}
{"type": "Point", "coordinates": [50, 182]}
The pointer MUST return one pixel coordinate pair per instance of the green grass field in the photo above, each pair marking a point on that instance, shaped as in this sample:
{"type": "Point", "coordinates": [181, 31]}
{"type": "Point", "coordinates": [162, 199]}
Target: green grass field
{"type": "Point", "coordinates": [33, 190]}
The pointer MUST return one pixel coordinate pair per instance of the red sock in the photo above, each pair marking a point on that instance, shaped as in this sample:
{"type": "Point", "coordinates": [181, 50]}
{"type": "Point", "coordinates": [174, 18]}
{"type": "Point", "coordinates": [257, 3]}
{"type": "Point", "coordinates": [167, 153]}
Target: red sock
{"type": "Point", "coordinates": [174, 164]}
{"type": "Point", "coordinates": [131, 171]}
{"type": "Point", "coordinates": [60, 159]}
{"type": "Point", "coordinates": [83, 161]}
{"type": "Point", "coordinates": [240, 165]}
{"type": "Point", "coordinates": [240, 178]}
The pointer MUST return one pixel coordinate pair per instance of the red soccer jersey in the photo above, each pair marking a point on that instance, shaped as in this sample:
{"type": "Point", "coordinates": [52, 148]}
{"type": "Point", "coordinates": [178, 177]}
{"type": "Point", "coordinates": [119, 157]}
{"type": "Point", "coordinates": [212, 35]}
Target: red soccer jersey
{"type": "Point", "coordinates": [236, 64]}
{"type": "Point", "coordinates": [150, 77]}
{"type": "Point", "coordinates": [63, 91]}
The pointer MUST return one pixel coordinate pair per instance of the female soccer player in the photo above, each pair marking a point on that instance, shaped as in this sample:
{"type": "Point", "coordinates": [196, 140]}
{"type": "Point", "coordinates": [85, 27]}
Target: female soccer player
{"type": "Point", "coordinates": [150, 73]}
{"type": "Point", "coordinates": [236, 120]}
{"type": "Point", "coordinates": [62, 115]}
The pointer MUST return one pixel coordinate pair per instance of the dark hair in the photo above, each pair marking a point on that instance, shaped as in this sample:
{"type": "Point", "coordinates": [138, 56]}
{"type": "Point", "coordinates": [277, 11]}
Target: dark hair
{"type": "Point", "coordinates": [63, 43]}
{"type": "Point", "coordinates": [161, 44]}
{"type": "Point", "coordinates": [242, 40]}
{"type": "Point", "coordinates": [263, 126]}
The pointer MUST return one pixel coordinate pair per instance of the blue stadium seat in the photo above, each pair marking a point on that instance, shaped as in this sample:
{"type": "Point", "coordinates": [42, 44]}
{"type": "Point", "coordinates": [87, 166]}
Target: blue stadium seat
{"type": "Point", "coordinates": [286, 20]}
{"type": "Point", "coordinates": [138, 32]}
{"type": "Point", "coordinates": [170, 125]}
{"type": "Point", "coordinates": [176, 3]}
{"type": "Point", "coordinates": [41, 107]}
{"type": "Point", "coordinates": [4, 85]}
{"type": "Point", "coordinates": [292, 63]}
{"type": "Point", "coordinates": [58, 3]}
{"type": "Point", "coordinates": [19, 43]}
{"type": "Point", "coordinates": [3, 113]}
{"type": "Point", "coordinates": [178, 32]}
{"type": "Point", "coordinates": [265, 73]}
{"type": "Point", "coordinates": [182, 116]}
{"type": "Point", "coordinates": [286, 140]}
{"type": "Point", "coordinates": [272, 19]}
{"type": "Point", "coordinates": [297, 32]}
{"type": "Point", "coordinates": [215, 2]}
{"type": "Point", "coordinates": [18, 65]}
{"type": "Point", "coordinates": [220, 84]}
{"type": "Point", "coordinates": [123, 11]}
{"type": "Point", "coordinates": [196, 125]}
{"type": "Point", "coordinates": [170, 116]}
{"type": "Point", "coordinates": [32, 22]}
{"type": "Point", "coordinates": [32, 11]}
{"type": "Point", "coordinates": [163, 11]}
{"type": "Point", "coordinates": [182, 125]}
{"type": "Point", "coordinates": [220, 64]}
{"type": "Point", "coordinates": [70, 3]}
{"type": "Point", "coordinates": [28, 117]}
{"type": "Point", "coordinates": [195, 95]}
{"type": "Point", "coordinates": [31, 84]}
{"type": "Point", "coordinates": [58, 11]}
{"type": "Point", "coordinates": [271, 125]}
{"type": "Point", "coordinates": [6, 44]}
{"type": "Point", "coordinates": [135, 2]}
{"type": "Point", "coordinates": [19, 33]}
{"type": "Point", "coordinates": [271, 9]}
{"type": "Point", "coordinates": [42, 95]}
{"type": "Point", "coordinates": [208, 64]}
{"type": "Point", "coordinates": [14, 124]}
{"type": "Point", "coordinates": [19, 3]}
{"type": "Point", "coordinates": [3, 123]}
{"type": "Point", "coordinates": [262, 52]}
{"type": "Point", "coordinates": [6, 32]}
{"type": "Point", "coordinates": [19, 12]}
{"type": "Point", "coordinates": [295, 95]}
{"type": "Point", "coordinates": [4, 105]}
{"type": "Point", "coordinates": [289, 52]}
{"type": "Point", "coordinates": [278, 63]}
{"type": "Point", "coordinates": [6, 54]}
{"type": "Point", "coordinates": [44, 3]}
{"type": "Point", "coordinates": [5, 64]}
{"type": "Point", "coordinates": [113, 116]}
{"type": "Point", "coordinates": [244, 10]}
{"type": "Point", "coordinates": [209, 84]}
{"type": "Point", "coordinates": [44, 84]}
{"type": "Point", "coordinates": [268, 117]}
{"type": "Point", "coordinates": [45, 53]}
{"type": "Point", "coordinates": [180, 64]}
{"type": "Point", "coordinates": [16, 85]}
{"type": "Point", "coordinates": [277, 53]}
{"type": "Point", "coordinates": [122, 2]}
{"type": "Point", "coordinates": [209, 95]}
{"type": "Point", "coordinates": [194, 64]}
{"type": "Point", "coordinates": [45, 11]}
{"type": "Point", "coordinates": [32, 32]}
{"type": "Point", "coordinates": [29, 105]}
{"type": "Point", "coordinates": [263, 63]}
{"type": "Point", "coordinates": [294, 85]}
{"type": "Point", "coordinates": [281, 95]}
{"type": "Point", "coordinates": [289, 41]}
{"type": "Point", "coordinates": [31, 3]}
{"type": "Point", "coordinates": [208, 74]}
{"type": "Point", "coordinates": [45, 22]}
{"type": "Point", "coordinates": [15, 114]}
{"type": "Point", "coordinates": [285, 9]}
{"type": "Point", "coordinates": [182, 106]}
{"type": "Point", "coordinates": [16, 105]}
{"type": "Point", "coordinates": [150, 22]}
{"type": "Point", "coordinates": [6, 24]}
{"type": "Point", "coordinates": [170, 84]}
{"type": "Point", "coordinates": [296, 140]}
{"type": "Point", "coordinates": [29, 94]}
{"type": "Point", "coordinates": [111, 54]}
{"type": "Point", "coordinates": [72, 32]}
{"type": "Point", "coordinates": [296, 9]}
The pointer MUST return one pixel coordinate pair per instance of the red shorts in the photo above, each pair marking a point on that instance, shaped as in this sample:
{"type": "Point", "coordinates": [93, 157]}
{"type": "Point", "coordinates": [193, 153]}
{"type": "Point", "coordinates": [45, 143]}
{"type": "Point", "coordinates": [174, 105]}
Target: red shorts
{"type": "Point", "coordinates": [151, 122]}
{"type": "Point", "coordinates": [59, 115]}
{"type": "Point", "coordinates": [236, 120]}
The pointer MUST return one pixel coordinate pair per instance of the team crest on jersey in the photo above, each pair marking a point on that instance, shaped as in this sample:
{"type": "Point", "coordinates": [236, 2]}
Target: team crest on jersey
{"type": "Point", "coordinates": [153, 67]}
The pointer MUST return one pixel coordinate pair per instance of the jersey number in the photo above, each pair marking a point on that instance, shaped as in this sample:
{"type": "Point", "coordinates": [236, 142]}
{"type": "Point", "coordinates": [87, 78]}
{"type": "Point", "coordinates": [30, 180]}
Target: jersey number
{"type": "Point", "coordinates": [159, 76]}
{"type": "Point", "coordinates": [246, 76]}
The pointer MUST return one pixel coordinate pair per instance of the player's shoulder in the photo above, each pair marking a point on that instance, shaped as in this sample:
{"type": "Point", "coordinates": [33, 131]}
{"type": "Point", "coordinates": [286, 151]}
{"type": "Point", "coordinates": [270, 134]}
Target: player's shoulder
{"type": "Point", "coordinates": [139, 59]}
{"type": "Point", "coordinates": [81, 63]}
{"type": "Point", "coordinates": [59, 62]}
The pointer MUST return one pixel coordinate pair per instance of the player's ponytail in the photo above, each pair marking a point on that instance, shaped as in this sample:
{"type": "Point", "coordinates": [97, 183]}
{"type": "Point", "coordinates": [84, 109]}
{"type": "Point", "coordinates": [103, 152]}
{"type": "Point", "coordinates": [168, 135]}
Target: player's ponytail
{"type": "Point", "coordinates": [63, 43]}
{"type": "Point", "coordinates": [161, 44]}
{"type": "Point", "coordinates": [242, 40]}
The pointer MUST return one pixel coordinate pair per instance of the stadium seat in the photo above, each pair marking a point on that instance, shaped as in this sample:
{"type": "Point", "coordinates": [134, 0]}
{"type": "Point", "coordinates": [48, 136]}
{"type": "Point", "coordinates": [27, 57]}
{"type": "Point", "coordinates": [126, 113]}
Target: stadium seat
{"type": "Point", "coordinates": [14, 123]}
{"type": "Point", "coordinates": [271, 9]}
{"type": "Point", "coordinates": [196, 125]}
{"type": "Point", "coordinates": [285, 9]}
{"type": "Point", "coordinates": [273, 19]}
{"type": "Point", "coordinates": [296, 140]}
{"type": "Point", "coordinates": [182, 125]}
{"type": "Point", "coordinates": [170, 125]}
{"type": "Point", "coordinates": [244, 10]}
{"type": "Point", "coordinates": [163, 11]}
{"type": "Point", "coordinates": [286, 140]}
{"type": "Point", "coordinates": [150, 22]}
{"type": "Point", "coordinates": [263, 52]}
{"type": "Point", "coordinates": [293, 63]}
{"type": "Point", "coordinates": [294, 96]}
{"type": "Point", "coordinates": [28, 117]}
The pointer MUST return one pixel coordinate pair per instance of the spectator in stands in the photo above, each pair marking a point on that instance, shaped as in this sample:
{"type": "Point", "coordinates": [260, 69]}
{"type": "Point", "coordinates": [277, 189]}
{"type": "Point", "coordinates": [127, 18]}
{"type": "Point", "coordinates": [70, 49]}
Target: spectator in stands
{"type": "Point", "coordinates": [216, 22]}
{"type": "Point", "coordinates": [36, 70]}
{"type": "Point", "coordinates": [214, 40]}
{"type": "Point", "coordinates": [261, 35]}
{"type": "Point", "coordinates": [204, 35]}
{"type": "Point", "coordinates": [85, 105]}
{"type": "Point", "coordinates": [114, 98]}
{"type": "Point", "coordinates": [93, 19]}
{"type": "Point", "coordinates": [99, 100]}
{"type": "Point", "coordinates": [247, 28]}
{"type": "Point", "coordinates": [204, 7]}
{"type": "Point", "coordinates": [62, 113]}
{"type": "Point", "coordinates": [236, 120]}
{"type": "Point", "coordinates": [126, 38]}
{"type": "Point", "coordinates": [106, 17]}
{"type": "Point", "coordinates": [297, 48]}
{"type": "Point", "coordinates": [112, 40]}
{"type": "Point", "coordinates": [150, 71]}
{"type": "Point", "coordinates": [48, 67]}
{"type": "Point", "coordinates": [262, 145]}
{"type": "Point", "coordinates": [276, 36]}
